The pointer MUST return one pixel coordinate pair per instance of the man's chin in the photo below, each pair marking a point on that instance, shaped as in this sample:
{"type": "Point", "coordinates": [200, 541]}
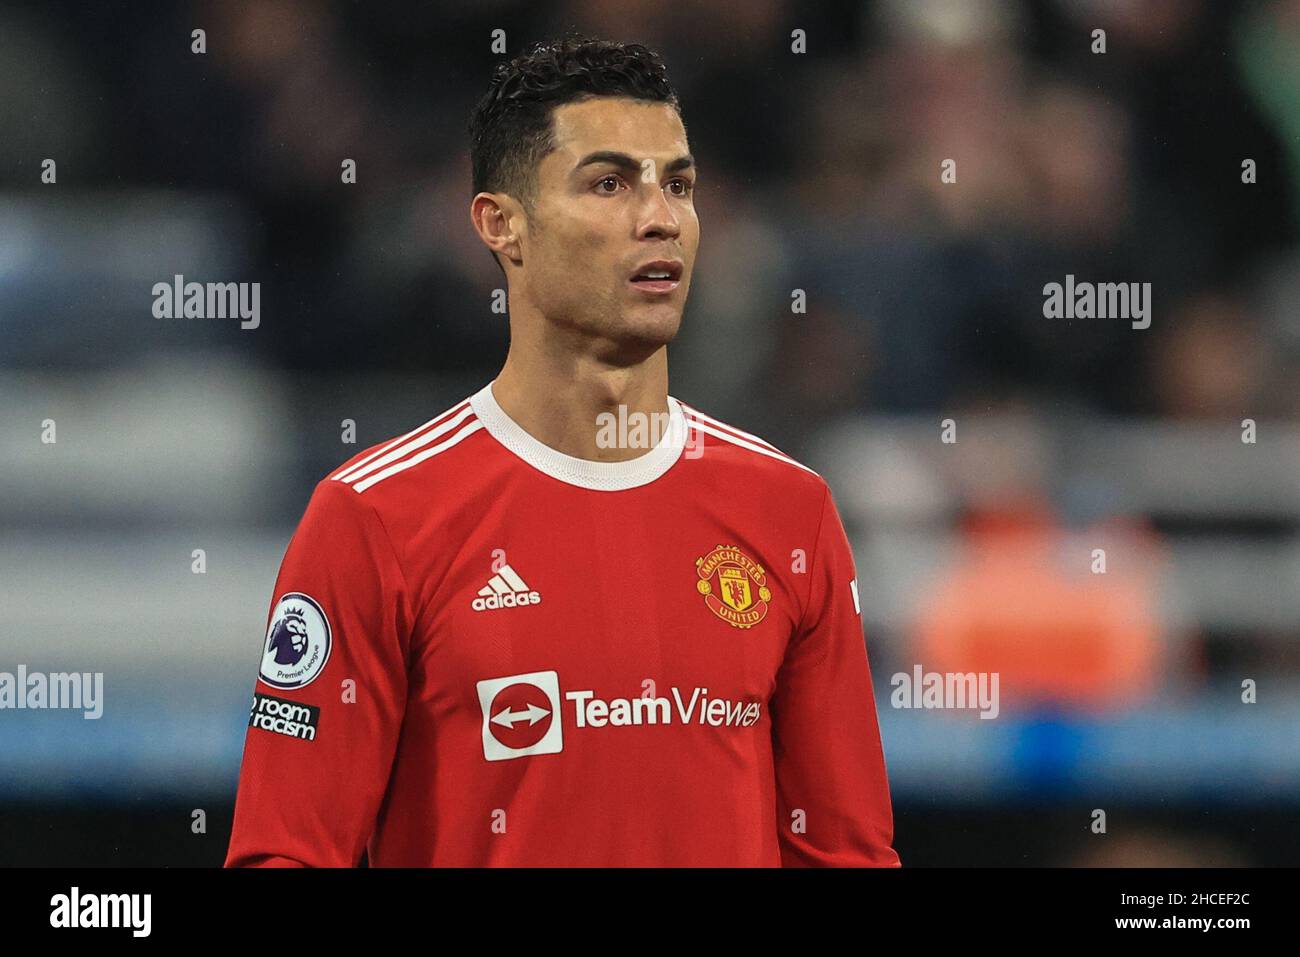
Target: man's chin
{"type": "Point", "coordinates": [639, 333]}
{"type": "Point", "coordinates": [657, 325]}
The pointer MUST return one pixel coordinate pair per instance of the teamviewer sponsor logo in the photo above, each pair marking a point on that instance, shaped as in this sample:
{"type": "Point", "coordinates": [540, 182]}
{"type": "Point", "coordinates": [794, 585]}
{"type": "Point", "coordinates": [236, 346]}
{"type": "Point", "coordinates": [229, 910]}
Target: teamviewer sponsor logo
{"type": "Point", "coordinates": [699, 708]}
{"type": "Point", "coordinates": [521, 715]}
{"type": "Point", "coordinates": [505, 590]}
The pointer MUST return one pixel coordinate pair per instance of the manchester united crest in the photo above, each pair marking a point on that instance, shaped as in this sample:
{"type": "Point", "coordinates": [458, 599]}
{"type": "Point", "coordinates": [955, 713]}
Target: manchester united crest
{"type": "Point", "coordinates": [734, 586]}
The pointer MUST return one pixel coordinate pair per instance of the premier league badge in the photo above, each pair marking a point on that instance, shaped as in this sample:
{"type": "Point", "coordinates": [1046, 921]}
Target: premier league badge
{"type": "Point", "coordinates": [297, 642]}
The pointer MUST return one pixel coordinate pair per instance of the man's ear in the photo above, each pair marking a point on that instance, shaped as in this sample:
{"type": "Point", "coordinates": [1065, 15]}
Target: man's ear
{"type": "Point", "coordinates": [497, 218]}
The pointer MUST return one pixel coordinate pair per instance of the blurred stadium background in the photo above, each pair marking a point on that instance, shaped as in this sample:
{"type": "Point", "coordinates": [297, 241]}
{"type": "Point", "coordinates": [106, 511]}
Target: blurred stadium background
{"type": "Point", "coordinates": [820, 172]}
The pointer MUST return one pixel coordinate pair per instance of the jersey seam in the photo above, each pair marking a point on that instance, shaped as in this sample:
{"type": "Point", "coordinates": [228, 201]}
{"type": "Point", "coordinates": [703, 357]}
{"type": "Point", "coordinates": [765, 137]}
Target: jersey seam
{"type": "Point", "coordinates": [401, 572]}
{"type": "Point", "coordinates": [799, 631]}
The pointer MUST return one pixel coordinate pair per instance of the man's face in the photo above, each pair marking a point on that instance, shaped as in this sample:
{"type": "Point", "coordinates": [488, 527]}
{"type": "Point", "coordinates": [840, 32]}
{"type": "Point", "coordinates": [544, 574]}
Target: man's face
{"type": "Point", "coordinates": [615, 195]}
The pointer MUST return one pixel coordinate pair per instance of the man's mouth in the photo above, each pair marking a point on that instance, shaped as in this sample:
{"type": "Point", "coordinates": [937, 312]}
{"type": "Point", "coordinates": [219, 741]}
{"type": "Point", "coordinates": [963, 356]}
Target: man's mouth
{"type": "Point", "coordinates": [658, 277]}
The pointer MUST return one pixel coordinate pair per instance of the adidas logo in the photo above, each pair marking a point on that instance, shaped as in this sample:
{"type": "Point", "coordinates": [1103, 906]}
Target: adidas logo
{"type": "Point", "coordinates": [505, 590]}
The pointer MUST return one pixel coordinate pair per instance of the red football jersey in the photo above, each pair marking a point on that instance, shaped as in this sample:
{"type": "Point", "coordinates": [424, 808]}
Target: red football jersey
{"type": "Point", "coordinates": [482, 651]}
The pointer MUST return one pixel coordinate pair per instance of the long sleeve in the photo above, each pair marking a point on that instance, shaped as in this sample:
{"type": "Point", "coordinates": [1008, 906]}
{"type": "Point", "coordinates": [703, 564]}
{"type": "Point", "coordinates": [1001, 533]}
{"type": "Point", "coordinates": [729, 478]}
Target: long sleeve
{"type": "Point", "coordinates": [833, 806]}
{"type": "Point", "coordinates": [330, 694]}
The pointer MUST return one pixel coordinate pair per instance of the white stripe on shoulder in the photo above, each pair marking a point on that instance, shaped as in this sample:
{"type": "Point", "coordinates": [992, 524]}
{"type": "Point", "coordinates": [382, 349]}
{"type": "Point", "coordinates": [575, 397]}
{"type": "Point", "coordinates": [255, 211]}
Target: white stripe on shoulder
{"type": "Point", "coordinates": [731, 428]}
{"type": "Point", "coordinates": [406, 448]}
{"type": "Point", "coordinates": [346, 472]}
{"type": "Point", "coordinates": [467, 430]}
{"type": "Point", "coordinates": [761, 449]}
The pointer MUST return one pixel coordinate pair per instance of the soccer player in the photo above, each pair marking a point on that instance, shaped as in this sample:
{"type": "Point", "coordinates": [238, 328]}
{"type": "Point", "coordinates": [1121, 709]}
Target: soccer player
{"type": "Point", "coordinates": [570, 620]}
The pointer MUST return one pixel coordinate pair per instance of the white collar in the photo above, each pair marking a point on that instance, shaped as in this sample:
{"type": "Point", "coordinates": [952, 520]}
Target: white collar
{"type": "Point", "coordinates": [585, 473]}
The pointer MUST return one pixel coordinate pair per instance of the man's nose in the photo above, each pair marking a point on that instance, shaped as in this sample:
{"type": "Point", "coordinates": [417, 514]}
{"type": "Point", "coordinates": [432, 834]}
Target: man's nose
{"type": "Point", "coordinates": [657, 217]}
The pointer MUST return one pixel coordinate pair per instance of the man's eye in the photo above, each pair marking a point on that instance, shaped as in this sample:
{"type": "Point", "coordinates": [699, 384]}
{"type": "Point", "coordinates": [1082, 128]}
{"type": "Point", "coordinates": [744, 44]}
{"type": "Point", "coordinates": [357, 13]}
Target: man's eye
{"type": "Point", "coordinates": [607, 179]}
{"type": "Point", "coordinates": [686, 184]}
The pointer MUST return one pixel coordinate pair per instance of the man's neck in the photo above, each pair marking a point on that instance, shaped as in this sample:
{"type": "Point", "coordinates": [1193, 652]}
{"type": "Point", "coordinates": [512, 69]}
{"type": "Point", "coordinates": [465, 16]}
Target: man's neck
{"type": "Point", "coordinates": [561, 401]}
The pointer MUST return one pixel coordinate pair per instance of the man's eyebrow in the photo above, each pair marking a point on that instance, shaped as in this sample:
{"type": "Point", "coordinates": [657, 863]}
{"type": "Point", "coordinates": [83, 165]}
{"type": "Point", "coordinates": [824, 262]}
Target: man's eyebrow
{"type": "Point", "coordinates": [625, 162]}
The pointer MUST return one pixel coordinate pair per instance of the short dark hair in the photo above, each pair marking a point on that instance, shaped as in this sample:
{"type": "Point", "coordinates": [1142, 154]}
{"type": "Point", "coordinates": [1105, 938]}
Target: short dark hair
{"type": "Point", "coordinates": [511, 128]}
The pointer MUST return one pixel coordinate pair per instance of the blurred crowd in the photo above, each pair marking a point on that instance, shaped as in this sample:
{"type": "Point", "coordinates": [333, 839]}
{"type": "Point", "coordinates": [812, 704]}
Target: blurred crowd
{"type": "Point", "coordinates": [1165, 150]}
{"type": "Point", "coordinates": [914, 171]}
{"type": "Point", "coordinates": [820, 170]}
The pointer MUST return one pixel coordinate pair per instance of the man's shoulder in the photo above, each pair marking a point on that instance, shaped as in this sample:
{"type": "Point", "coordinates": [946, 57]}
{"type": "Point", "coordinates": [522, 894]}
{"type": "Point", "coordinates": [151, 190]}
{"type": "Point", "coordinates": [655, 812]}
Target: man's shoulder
{"type": "Point", "coordinates": [431, 452]}
{"type": "Point", "coordinates": [748, 457]}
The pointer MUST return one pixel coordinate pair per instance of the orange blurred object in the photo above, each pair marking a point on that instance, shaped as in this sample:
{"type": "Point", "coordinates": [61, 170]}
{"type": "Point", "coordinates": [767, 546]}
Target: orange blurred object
{"type": "Point", "coordinates": [1026, 600]}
